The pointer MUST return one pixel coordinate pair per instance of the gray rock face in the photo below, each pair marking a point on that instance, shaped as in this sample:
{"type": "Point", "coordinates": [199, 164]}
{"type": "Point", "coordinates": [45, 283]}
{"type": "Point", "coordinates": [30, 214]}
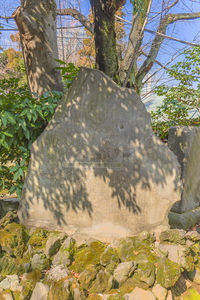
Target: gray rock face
{"type": "Point", "coordinates": [97, 169]}
{"type": "Point", "coordinates": [139, 294]}
{"type": "Point", "coordinates": [40, 292]}
{"type": "Point", "coordinates": [123, 271]}
{"type": "Point", "coordinates": [185, 143]}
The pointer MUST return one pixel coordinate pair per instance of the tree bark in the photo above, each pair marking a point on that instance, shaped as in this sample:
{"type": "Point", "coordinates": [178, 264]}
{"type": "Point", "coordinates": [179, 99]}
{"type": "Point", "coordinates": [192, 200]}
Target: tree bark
{"type": "Point", "coordinates": [105, 36]}
{"type": "Point", "coordinates": [36, 21]}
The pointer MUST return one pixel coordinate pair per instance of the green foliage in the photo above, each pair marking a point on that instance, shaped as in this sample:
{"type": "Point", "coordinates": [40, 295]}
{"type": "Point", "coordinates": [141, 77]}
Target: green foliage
{"type": "Point", "coordinates": [23, 117]}
{"type": "Point", "coordinates": [69, 71]}
{"type": "Point", "coordinates": [181, 104]}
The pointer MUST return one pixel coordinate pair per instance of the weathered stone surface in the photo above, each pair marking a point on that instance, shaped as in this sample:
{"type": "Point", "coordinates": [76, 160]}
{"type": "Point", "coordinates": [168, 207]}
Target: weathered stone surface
{"type": "Point", "coordinates": [185, 143]}
{"type": "Point", "coordinates": [195, 275]}
{"type": "Point", "coordinates": [40, 291]}
{"type": "Point", "coordinates": [138, 294]}
{"type": "Point", "coordinates": [123, 271]}
{"type": "Point", "coordinates": [98, 158]}
{"type": "Point", "coordinates": [11, 282]}
{"type": "Point", "coordinates": [57, 273]}
{"type": "Point", "coordinates": [160, 292]}
{"type": "Point", "coordinates": [40, 261]}
{"type": "Point", "coordinates": [8, 204]}
{"type": "Point", "coordinates": [54, 242]}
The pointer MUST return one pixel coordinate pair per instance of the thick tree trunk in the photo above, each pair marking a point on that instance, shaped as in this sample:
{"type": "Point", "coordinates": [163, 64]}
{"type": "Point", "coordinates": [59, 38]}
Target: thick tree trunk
{"type": "Point", "coordinates": [105, 36]}
{"type": "Point", "coordinates": [36, 21]}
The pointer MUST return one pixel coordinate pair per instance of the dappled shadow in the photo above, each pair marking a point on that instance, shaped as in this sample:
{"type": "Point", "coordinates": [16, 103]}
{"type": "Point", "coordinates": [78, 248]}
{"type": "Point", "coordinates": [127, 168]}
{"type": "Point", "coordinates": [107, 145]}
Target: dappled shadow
{"type": "Point", "coordinates": [98, 161]}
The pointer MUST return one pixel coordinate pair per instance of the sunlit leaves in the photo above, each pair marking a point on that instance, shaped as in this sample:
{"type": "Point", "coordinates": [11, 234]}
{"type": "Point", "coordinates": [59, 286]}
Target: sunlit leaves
{"type": "Point", "coordinates": [23, 117]}
{"type": "Point", "coordinates": [181, 104]}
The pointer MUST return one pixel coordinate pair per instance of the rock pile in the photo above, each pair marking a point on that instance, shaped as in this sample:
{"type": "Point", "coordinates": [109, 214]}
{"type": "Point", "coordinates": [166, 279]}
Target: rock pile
{"type": "Point", "coordinates": [39, 264]}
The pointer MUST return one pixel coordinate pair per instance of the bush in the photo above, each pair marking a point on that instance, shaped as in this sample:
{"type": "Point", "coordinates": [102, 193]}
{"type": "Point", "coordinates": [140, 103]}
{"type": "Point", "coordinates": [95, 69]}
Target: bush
{"type": "Point", "coordinates": [181, 104]}
{"type": "Point", "coordinates": [23, 117]}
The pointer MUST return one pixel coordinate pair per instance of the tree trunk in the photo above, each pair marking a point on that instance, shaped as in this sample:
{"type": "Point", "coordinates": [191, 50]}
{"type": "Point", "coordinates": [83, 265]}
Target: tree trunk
{"type": "Point", "coordinates": [36, 21]}
{"type": "Point", "coordinates": [105, 36]}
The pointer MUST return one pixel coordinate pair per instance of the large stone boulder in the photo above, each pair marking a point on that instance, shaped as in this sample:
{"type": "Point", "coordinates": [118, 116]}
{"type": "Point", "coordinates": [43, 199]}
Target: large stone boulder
{"type": "Point", "coordinates": [185, 143]}
{"type": "Point", "coordinates": [97, 169]}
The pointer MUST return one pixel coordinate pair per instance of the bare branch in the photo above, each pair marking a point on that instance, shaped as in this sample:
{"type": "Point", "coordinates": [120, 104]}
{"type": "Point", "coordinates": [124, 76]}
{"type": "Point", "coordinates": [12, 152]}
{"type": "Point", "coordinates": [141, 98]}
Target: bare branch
{"type": "Point", "coordinates": [6, 18]}
{"type": "Point", "coordinates": [78, 16]}
{"type": "Point", "coordinates": [140, 33]}
{"type": "Point", "coordinates": [160, 36]}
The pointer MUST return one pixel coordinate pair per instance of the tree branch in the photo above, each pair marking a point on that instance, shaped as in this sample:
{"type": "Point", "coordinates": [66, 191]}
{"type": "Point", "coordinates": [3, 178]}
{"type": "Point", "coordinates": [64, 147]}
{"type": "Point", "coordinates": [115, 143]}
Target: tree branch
{"type": "Point", "coordinates": [160, 36]}
{"type": "Point", "coordinates": [78, 16]}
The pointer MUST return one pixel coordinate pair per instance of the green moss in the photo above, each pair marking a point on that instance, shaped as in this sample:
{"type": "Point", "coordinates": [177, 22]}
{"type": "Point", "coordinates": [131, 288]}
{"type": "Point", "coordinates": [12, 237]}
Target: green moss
{"type": "Point", "coordinates": [168, 272]}
{"type": "Point", "coordinates": [144, 276]}
{"type": "Point", "coordinates": [100, 284]}
{"type": "Point", "coordinates": [94, 297]}
{"type": "Point", "coordinates": [129, 248]}
{"type": "Point", "coordinates": [13, 239]}
{"type": "Point", "coordinates": [38, 239]}
{"type": "Point", "coordinates": [191, 294]}
{"type": "Point", "coordinates": [116, 297]}
{"type": "Point", "coordinates": [58, 291]}
{"type": "Point", "coordinates": [174, 236]}
{"type": "Point", "coordinates": [8, 266]}
{"type": "Point", "coordinates": [29, 283]}
{"type": "Point", "coordinates": [109, 256]}
{"type": "Point", "coordinates": [87, 277]}
{"type": "Point", "coordinates": [88, 256]}
{"type": "Point", "coordinates": [127, 287]}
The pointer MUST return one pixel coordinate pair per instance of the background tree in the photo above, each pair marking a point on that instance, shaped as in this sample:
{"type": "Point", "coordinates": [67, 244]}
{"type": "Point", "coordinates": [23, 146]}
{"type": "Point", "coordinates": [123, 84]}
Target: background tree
{"type": "Point", "coordinates": [36, 21]}
{"type": "Point", "coordinates": [136, 63]}
{"type": "Point", "coordinates": [87, 51]}
{"type": "Point", "coordinates": [181, 100]}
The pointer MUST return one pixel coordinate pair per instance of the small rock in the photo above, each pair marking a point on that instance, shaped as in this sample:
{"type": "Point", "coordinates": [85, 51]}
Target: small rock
{"type": "Point", "coordinates": [159, 291]}
{"type": "Point", "coordinates": [54, 242]}
{"type": "Point", "coordinates": [140, 294]}
{"type": "Point", "coordinates": [175, 236]}
{"type": "Point", "coordinates": [40, 261]}
{"type": "Point", "coordinates": [195, 276]}
{"type": "Point", "coordinates": [169, 295]}
{"type": "Point", "coordinates": [56, 273]}
{"type": "Point", "coordinates": [5, 296]}
{"type": "Point", "coordinates": [40, 292]}
{"type": "Point", "coordinates": [193, 236]}
{"type": "Point", "coordinates": [168, 272]}
{"type": "Point", "coordinates": [177, 254]}
{"type": "Point", "coordinates": [11, 282]}
{"type": "Point", "coordinates": [123, 271]}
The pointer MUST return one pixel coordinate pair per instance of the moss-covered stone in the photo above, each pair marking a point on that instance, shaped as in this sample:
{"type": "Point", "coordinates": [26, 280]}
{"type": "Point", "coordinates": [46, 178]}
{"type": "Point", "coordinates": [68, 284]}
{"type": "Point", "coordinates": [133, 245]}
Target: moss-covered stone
{"type": "Point", "coordinates": [94, 297]}
{"type": "Point", "coordinates": [13, 239]}
{"type": "Point", "coordinates": [28, 283]}
{"type": "Point", "coordinates": [8, 266]}
{"type": "Point", "coordinates": [116, 297]}
{"type": "Point", "coordinates": [175, 236]}
{"type": "Point", "coordinates": [168, 272]}
{"type": "Point", "coordinates": [100, 284]}
{"type": "Point", "coordinates": [87, 277]}
{"type": "Point", "coordinates": [190, 294]}
{"type": "Point", "coordinates": [40, 261]}
{"type": "Point", "coordinates": [10, 217]}
{"type": "Point", "coordinates": [130, 247]}
{"type": "Point", "coordinates": [127, 287]}
{"type": "Point", "coordinates": [54, 242]}
{"type": "Point", "coordinates": [66, 253]}
{"type": "Point", "coordinates": [144, 275]}
{"type": "Point", "coordinates": [38, 239]}
{"type": "Point", "coordinates": [88, 255]}
{"type": "Point", "coordinates": [109, 256]}
{"type": "Point", "coordinates": [64, 289]}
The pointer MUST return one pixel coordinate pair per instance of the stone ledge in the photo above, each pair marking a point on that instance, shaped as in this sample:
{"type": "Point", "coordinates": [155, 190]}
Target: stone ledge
{"type": "Point", "coordinates": [185, 220]}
